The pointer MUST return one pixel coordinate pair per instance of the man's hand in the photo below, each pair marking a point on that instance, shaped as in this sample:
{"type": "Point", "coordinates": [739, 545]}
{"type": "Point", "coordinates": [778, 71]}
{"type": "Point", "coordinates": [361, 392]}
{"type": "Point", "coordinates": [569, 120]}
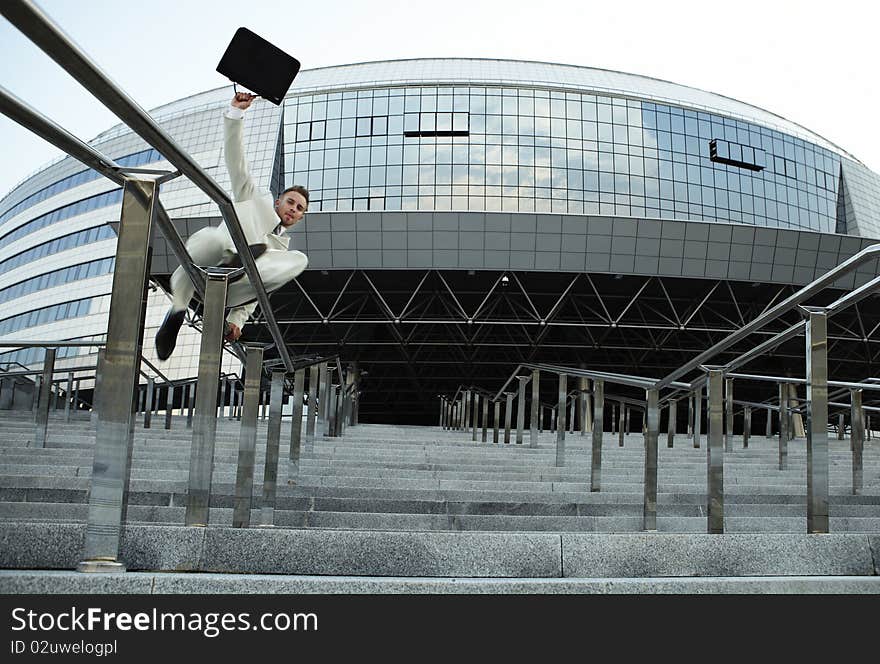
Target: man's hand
{"type": "Point", "coordinates": [234, 333]}
{"type": "Point", "coordinates": [243, 100]}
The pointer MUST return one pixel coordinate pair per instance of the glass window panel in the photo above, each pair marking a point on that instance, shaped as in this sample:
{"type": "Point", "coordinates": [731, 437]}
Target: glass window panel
{"type": "Point", "coordinates": [736, 152]}
{"type": "Point", "coordinates": [364, 126]}
{"type": "Point", "coordinates": [411, 122]}
{"type": "Point", "coordinates": [444, 122]}
{"type": "Point", "coordinates": [380, 126]}
{"type": "Point", "coordinates": [427, 121]}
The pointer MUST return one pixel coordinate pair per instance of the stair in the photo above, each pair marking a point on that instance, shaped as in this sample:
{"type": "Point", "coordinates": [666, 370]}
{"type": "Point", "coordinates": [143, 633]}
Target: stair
{"type": "Point", "coordinates": [422, 505]}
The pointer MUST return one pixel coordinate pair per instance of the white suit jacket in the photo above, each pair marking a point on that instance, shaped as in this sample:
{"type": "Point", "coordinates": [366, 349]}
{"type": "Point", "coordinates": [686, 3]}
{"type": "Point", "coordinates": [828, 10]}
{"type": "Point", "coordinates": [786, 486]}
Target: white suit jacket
{"type": "Point", "coordinates": [255, 207]}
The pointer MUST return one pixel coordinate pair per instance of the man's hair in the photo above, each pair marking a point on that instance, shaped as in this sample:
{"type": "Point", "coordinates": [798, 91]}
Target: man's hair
{"type": "Point", "coordinates": [298, 188]}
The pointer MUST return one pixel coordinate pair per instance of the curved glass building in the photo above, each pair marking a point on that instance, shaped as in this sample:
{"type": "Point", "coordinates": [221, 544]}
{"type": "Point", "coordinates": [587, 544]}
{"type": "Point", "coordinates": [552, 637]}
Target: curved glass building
{"type": "Point", "coordinates": [467, 215]}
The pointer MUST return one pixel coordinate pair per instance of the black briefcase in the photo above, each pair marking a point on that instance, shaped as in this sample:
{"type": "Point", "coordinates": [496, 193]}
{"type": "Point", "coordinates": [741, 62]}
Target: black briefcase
{"type": "Point", "coordinates": [259, 66]}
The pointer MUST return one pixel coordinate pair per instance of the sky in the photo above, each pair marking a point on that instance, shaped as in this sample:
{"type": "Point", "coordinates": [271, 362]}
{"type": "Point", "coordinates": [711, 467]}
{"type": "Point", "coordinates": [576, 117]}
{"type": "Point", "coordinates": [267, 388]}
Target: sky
{"type": "Point", "coordinates": [814, 63]}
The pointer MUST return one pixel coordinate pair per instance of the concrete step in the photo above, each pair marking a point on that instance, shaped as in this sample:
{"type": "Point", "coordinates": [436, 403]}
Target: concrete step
{"type": "Point", "coordinates": [168, 583]}
{"type": "Point", "coordinates": [44, 546]}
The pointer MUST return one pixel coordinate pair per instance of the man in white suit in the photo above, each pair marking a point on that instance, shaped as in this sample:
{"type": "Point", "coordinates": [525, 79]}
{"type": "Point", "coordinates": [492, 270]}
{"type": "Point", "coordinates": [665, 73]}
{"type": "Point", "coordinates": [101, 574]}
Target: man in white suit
{"type": "Point", "coordinates": [264, 223]}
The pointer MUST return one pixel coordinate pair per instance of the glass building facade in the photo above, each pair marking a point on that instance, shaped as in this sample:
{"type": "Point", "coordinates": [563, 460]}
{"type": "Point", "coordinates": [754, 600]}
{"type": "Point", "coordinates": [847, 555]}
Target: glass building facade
{"type": "Point", "coordinates": [541, 150]}
{"type": "Point", "coordinates": [438, 160]}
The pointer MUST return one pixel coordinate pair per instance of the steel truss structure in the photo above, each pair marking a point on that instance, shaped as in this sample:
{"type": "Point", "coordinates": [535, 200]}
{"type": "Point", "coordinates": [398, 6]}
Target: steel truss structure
{"type": "Point", "coordinates": [419, 333]}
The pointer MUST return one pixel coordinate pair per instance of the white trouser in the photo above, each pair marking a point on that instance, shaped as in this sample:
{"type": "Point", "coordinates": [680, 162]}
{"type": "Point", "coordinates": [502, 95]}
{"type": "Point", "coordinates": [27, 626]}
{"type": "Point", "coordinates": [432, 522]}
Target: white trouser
{"type": "Point", "coordinates": [211, 246]}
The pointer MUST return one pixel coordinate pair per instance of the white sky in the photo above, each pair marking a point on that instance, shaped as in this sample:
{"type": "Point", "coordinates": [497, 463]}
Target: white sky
{"type": "Point", "coordinates": [814, 63]}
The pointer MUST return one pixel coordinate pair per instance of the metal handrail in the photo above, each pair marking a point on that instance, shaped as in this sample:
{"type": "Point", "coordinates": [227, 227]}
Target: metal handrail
{"type": "Point", "coordinates": [817, 285]}
{"type": "Point", "coordinates": [43, 32]}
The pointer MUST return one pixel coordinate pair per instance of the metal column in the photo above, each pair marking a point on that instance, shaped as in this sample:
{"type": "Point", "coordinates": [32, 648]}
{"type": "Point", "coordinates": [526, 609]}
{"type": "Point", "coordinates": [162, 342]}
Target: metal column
{"type": "Point", "coordinates": [69, 396]}
{"type": "Point", "coordinates": [598, 426]}
{"type": "Point", "coordinates": [747, 425]}
{"type": "Point", "coordinates": [652, 439]}
{"type": "Point", "coordinates": [621, 428]}
{"type": "Point", "coordinates": [119, 368]}
{"type": "Point", "coordinates": [148, 402]}
{"type": "Point", "coordinates": [840, 426]}
{"type": "Point", "coordinates": [42, 420]}
{"type": "Point", "coordinates": [323, 397]}
{"type": "Point", "coordinates": [247, 442]}
{"type": "Point", "coordinates": [169, 404]}
{"type": "Point", "coordinates": [582, 404]}
{"type": "Point", "coordinates": [769, 431]}
{"type": "Point", "coordinates": [536, 408]}
{"type": "Point", "coordinates": [560, 420]}
{"type": "Point", "coordinates": [190, 404]}
{"type": "Point", "coordinates": [205, 428]}
{"type": "Point", "coordinates": [728, 395]}
{"type": "Point", "coordinates": [299, 381]}
{"type": "Point", "coordinates": [273, 443]}
{"type": "Point", "coordinates": [508, 415]}
{"type": "Point", "coordinates": [690, 422]}
{"type": "Point", "coordinates": [857, 439]}
{"type": "Point", "coordinates": [521, 409]}
{"type": "Point", "coordinates": [698, 416]}
{"type": "Point", "coordinates": [817, 412]}
{"type": "Point", "coordinates": [485, 417]}
{"type": "Point", "coordinates": [783, 426]}
{"type": "Point", "coordinates": [496, 421]}
{"type": "Point", "coordinates": [311, 417]}
{"type": "Point", "coordinates": [715, 452]}
{"type": "Point", "coordinates": [475, 418]}
{"type": "Point", "coordinates": [670, 427]}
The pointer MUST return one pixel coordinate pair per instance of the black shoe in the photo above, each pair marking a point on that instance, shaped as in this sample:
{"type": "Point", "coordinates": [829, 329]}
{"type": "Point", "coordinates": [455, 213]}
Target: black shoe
{"type": "Point", "coordinates": [257, 250]}
{"type": "Point", "coordinates": [166, 337]}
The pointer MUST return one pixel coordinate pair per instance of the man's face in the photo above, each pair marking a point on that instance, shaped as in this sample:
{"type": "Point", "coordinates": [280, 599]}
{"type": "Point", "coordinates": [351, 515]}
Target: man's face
{"type": "Point", "coordinates": [290, 208]}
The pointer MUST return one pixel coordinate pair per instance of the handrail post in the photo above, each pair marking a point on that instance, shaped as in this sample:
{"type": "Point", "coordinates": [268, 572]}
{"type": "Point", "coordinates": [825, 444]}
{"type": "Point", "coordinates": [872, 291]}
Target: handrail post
{"type": "Point", "coordinates": [560, 420]}
{"type": "Point", "coordinates": [273, 443]}
{"type": "Point", "coordinates": [715, 444]}
{"type": "Point", "coordinates": [148, 402]}
{"type": "Point", "coordinates": [728, 395]}
{"type": "Point", "coordinates": [68, 396]}
{"type": "Point", "coordinates": [598, 427]}
{"type": "Point", "coordinates": [508, 416]}
{"type": "Point", "coordinates": [671, 425]}
{"type": "Point", "coordinates": [169, 404]}
{"type": "Point", "coordinates": [857, 439]}
{"type": "Point", "coordinates": [476, 397]}
{"type": "Point", "coordinates": [299, 380]}
{"type": "Point", "coordinates": [521, 408]}
{"type": "Point", "coordinates": [783, 426]}
{"type": "Point", "coordinates": [582, 405]}
{"type": "Point", "coordinates": [312, 416]}
{"type": "Point", "coordinates": [45, 396]}
{"type": "Point", "coordinates": [95, 415]}
{"type": "Point", "coordinates": [536, 407]}
{"type": "Point", "coordinates": [652, 436]}
{"type": "Point", "coordinates": [690, 422]}
{"type": "Point", "coordinates": [817, 427]}
{"type": "Point", "coordinates": [190, 404]}
{"type": "Point", "coordinates": [204, 432]}
{"type": "Point", "coordinates": [747, 425]}
{"type": "Point", "coordinates": [247, 442]}
{"type": "Point", "coordinates": [119, 369]}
